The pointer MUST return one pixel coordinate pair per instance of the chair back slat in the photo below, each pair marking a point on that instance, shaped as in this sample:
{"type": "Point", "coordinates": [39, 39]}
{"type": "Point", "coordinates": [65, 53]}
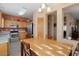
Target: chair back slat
{"type": "Point", "coordinates": [25, 49]}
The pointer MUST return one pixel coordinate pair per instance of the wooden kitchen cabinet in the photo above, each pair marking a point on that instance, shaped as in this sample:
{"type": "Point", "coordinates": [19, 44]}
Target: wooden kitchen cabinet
{"type": "Point", "coordinates": [3, 49]}
{"type": "Point", "coordinates": [22, 24]}
{"type": "Point", "coordinates": [22, 35]}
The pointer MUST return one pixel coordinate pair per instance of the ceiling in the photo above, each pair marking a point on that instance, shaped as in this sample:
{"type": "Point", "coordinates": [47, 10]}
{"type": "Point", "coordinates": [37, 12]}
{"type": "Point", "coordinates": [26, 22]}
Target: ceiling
{"type": "Point", "coordinates": [14, 8]}
{"type": "Point", "coordinates": [73, 10]}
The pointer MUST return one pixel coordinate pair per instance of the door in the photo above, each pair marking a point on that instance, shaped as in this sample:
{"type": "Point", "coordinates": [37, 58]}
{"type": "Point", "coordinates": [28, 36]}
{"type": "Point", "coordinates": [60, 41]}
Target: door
{"type": "Point", "coordinates": [78, 25]}
{"type": "Point", "coordinates": [40, 28]}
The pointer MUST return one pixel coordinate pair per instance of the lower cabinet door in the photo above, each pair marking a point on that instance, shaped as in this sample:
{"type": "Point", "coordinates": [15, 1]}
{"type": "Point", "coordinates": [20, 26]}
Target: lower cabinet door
{"type": "Point", "coordinates": [3, 49]}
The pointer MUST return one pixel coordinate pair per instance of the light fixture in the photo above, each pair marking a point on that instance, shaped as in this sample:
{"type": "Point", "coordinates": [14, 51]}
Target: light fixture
{"type": "Point", "coordinates": [39, 10]}
{"type": "Point", "coordinates": [43, 6]}
{"type": "Point", "coordinates": [22, 11]}
{"type": "Point", "coordinates": [48, 9]}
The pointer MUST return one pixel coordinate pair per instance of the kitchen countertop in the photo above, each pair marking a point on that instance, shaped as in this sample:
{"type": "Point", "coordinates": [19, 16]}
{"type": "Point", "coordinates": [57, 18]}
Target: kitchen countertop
{"type": "Point", "coordinates": [4, 37]}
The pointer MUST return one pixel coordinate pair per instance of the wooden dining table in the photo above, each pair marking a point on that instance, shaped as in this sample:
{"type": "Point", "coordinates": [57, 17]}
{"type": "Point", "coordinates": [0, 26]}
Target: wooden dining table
{"type": "Point", "coordinates": [48, 47]}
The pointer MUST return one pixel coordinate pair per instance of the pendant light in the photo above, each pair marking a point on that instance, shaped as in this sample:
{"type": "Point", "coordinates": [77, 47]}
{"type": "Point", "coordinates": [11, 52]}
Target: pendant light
{"type": "Point", "coordinates": [39, 10]}
{"type": "Point", "coordinates": [44, 7]}
{"type": "Point", "coordinates": [48, 9]}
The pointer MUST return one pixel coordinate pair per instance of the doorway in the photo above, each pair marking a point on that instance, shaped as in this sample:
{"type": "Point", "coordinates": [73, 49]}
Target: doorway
{"type": "Point", "coordinates": [71, 15]}
{"type": "Point", "coordinates": [40, 28]}
{"type": "Point", "coordinates": [52, 28]}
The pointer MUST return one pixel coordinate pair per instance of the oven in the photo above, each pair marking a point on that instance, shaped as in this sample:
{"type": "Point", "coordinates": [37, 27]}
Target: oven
{"type": "Point", "coordinates": [14, 36]}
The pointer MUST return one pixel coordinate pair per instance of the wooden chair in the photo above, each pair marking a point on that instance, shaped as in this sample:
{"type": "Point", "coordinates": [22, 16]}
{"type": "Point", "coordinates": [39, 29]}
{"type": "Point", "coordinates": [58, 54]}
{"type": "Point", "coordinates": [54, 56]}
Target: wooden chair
{"type": "Point", "coordinates": [25, 49]}
{"type": "Point", "coordinates": [76, 52]}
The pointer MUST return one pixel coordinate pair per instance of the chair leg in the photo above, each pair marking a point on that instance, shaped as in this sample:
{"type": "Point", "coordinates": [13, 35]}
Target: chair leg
{"type": "Point", "coordinates": [21, 49]}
